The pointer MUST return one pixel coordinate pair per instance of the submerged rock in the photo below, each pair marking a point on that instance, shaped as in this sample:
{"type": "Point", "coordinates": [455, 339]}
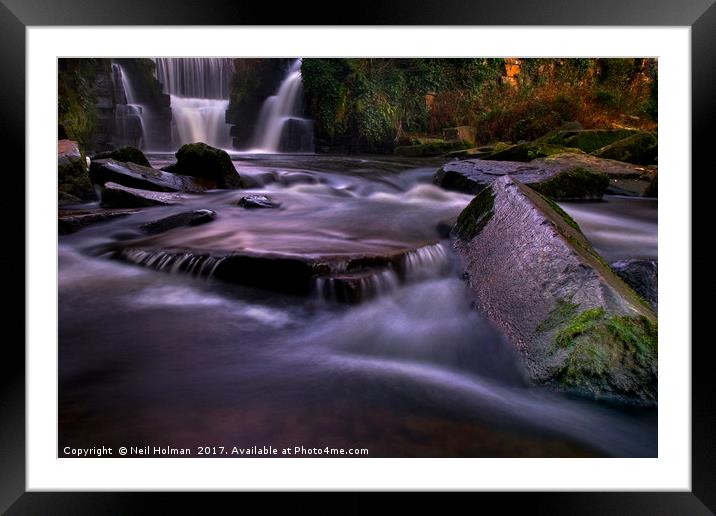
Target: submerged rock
{"type": "Point", "coordinates": [200, 160]}
{"type": "Point", "coordinates": [136, 176]}
{"type": "Point", "coordinates": [561, 183]}
{"type": "Point", "coordinates": [73, 179]}
{"type": "Point", "coordinates": [118, 196]}
{"type": "Point", "coordinates": [257, 201]}
{"type": "Point", "coordinates": [340, 278]}
{"type": "Point", "coordinates": [640, 149]}
{"type": "Point", "coordinates": [126, 154]}
{"type": "Point", "coordinates": [186, 218]}
{"type": "Point", "coordinates": [70, 221]}
{"type": "Point", "coordinates": [642, 276]}
{"type": "Point", "coordinates": [530, 269]}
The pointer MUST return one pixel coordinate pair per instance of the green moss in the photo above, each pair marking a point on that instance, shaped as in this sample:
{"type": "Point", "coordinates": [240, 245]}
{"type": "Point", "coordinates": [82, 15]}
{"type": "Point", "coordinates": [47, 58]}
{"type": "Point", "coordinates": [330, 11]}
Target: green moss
{"type": "Point", "coordinates": [640, 149]}
{"type": "Point", "coordinates": [126, 154]}
{"type": "Point", "coordinates": [577, 183]}
{"type": "Point", "coordinates": [558, 209]}
{"type": "Point", "coordinates": [437, 148]}
{"type": "Point", "coordinates": [587, 140]}
{"type": "Point", "coordinates": [562, 313]}
{"type": "Point", "coordinates": [609, 353]}
{"type": "Point", "coordinates": [476, 215]}
{"type": "Point", "coordinates": [529, 151]}
{"type": "Point", "coordinates": [578, 325]}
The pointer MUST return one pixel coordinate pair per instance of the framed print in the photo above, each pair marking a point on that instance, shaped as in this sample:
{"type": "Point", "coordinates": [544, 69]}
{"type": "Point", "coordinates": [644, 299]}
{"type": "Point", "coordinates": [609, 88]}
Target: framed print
{"type": "Point", "coordinates": [413, 250]}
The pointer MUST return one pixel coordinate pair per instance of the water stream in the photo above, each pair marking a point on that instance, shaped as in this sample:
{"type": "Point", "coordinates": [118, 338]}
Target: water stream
{"type": "Point", "coordinates": [160, 356]}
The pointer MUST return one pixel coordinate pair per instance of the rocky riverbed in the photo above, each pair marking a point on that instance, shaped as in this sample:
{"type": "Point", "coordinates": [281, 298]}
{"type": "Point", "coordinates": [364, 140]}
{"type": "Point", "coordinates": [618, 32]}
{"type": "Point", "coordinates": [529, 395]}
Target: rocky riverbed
{"type": "Point", "coordinates": [336, 314]}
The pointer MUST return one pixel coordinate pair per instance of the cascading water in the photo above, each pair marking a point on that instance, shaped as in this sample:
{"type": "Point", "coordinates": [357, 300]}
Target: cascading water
{"type": "Point", "coordinates": [129, 114]}
{"type": "Point", "coordinates": [279, 127]}
{"type": "Point", "coordinates": [199, 93]}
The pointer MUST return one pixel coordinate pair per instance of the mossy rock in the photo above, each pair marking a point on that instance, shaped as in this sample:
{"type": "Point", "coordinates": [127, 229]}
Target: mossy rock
{"type": "Point", "coordinates": [576, 184]}
{"type": "Point", "coordinates": [204, 161]}
{"type": "Point", "coordinates": [587, 140]}
{"type": "Point", "coordinates": [529, 151]}
{"type": "Point", "coordinates": [437, 148]}
{"type": "Point", "coordinates": [126, 154]}
{"type": "Point", "coordinates": [73, 180]}
{"type": "Point", "coordinates": [476, 215]}
{"type": "Point", "coordinates": [639, 149]}
{"type": "Point", "coordinates": [612, 354]}
{"type": "Point", "coordinates": [653, 189]}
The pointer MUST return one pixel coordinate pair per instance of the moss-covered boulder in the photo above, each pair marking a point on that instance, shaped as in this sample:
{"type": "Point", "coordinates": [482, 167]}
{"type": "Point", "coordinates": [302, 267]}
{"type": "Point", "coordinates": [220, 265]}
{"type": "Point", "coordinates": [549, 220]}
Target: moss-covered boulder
{"type": "Point", "coordinates": [640, 149]}
{"type": "Point", "coordinates": [530, 269]}
{"type": "Point", "coordinates": [126, 154]}
{"type": "Point", "coordinates": [434, 148]}
{"type": "Point", "coordinates": [587, 140]}
{"type": "Point", "coordinates": [204, 161]}
{"type": "Point", "coordinates": [73, 180]}
{"type": "Point", "coordinates": [528, 151]}
{"type": "Point", "coordinates": [624, 178]}
{"type": "Point", "coordinates": [560, 183]}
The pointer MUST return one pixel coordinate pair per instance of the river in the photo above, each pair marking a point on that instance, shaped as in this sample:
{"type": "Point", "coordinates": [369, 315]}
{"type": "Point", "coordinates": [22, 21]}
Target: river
{"type": "Point", "coordinates": [154, 358]}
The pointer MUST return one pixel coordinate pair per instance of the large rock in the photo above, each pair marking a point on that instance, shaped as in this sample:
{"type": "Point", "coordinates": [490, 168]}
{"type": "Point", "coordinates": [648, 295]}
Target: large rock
{"type": "Point", "coordinates": [557, 182]}
{"type": "Point", "coordinates": [640, 149]}
{"type": "Point", "coordinates": [587, 140]}
{"type": "Point", "coordinates": [642, 276]}
{"type": "Point", "coordinates": [126, 154]}
{"type": "Point", "coordinates": [73, 181]}
{"type": "Point", "coordinates": [200, 160]}
{"type": "Point", "coordinates": [530, 269]}
{"type": "Point", "coordinates": [136, 176]}
{"type": "Point", "coordinates": [119, 196]}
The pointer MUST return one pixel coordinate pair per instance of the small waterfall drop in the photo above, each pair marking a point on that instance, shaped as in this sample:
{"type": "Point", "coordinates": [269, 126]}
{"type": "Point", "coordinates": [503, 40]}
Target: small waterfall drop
{"type": "Point", "coordinates": [199, 92]}
{"type": "Point", "coordinates": [129, 114]}
{"type": "Point", "coordinates": [279, 127]}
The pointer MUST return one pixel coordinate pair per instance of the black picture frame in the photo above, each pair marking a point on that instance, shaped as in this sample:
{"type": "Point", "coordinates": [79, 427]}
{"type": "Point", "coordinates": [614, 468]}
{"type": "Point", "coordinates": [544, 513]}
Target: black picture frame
{"type": "Point", "coordinates": [16, 15]}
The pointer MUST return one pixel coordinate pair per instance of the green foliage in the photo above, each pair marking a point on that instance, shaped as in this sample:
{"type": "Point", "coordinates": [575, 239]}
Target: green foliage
{"type": "Point", "coordinates": [76, 102]}
{"type": "Point", "coordinates": [476, 215]}
{"type": "Point", "coordinates": [373, 103]}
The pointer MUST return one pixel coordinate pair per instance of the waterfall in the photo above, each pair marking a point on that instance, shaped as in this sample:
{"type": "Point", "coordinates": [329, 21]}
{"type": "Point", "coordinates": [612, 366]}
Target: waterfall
{"type": "Point", "coordinates": [199, 92]}
{"type": "Point", "coordinates": [279, 127]}
{"type": "Point", "coordinates": [129, 114]}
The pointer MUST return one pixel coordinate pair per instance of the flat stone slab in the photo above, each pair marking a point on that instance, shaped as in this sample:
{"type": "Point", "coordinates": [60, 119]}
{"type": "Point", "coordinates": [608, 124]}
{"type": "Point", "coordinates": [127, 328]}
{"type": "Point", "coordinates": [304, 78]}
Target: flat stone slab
{"type": "Point", "coordinates": [472, 175]}
{"type": "Point", "coordinates": [347, 278]}
{"type": "Point", "coordinates": [118, 196]}
{"type": "Point", "coordinates": [534, 274]}
{"type": "Point", "coordinates": [136, 176]}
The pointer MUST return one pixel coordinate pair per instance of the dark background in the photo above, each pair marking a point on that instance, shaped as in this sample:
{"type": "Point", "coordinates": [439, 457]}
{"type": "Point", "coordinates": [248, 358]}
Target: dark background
{"type": "Point", "coordinates": [15, 15]}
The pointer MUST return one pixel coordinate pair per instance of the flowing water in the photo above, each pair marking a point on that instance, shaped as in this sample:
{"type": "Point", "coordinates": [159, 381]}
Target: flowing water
{"type": "Point", "coordinates": [280, 128]}
{"type": "Point", "coordinates": [162, 357]}
{"type": "Point", "coordinates": [199, 93]}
